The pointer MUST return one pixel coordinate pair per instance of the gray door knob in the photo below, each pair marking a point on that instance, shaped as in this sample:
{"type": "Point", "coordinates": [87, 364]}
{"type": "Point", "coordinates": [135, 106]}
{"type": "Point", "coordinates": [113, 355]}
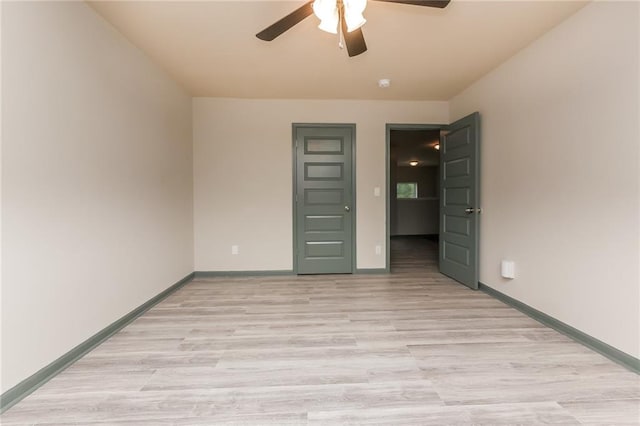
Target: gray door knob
{"type": "Point", "coordinates": [347, 209]}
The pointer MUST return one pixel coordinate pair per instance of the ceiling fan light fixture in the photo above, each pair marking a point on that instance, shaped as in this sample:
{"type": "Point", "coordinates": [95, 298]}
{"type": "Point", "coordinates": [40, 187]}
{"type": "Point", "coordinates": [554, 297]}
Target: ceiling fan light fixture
{"type": "Point", "coordinates": [329, 25]}
{"type": "Point", "coordinates": [327, 12]}
{"type": "Point", "coordinates": [353, 10]}
{"type": "Point", "coordinates": [337, 16]}
{"type": "Point", "coordinates": [354, 22]}
{"type": "Point", "coordinates": [329, 15]}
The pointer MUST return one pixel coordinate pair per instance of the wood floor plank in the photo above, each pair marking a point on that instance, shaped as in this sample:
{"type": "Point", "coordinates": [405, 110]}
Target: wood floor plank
{"type": "Point", "coordinates": [410, 347]}
{"type": "Point", "coordinates": [613, 412]}
{"type": "Point", "coordinates": [484, 386]}
{"type": "Point", "coordinates": [495, 414]}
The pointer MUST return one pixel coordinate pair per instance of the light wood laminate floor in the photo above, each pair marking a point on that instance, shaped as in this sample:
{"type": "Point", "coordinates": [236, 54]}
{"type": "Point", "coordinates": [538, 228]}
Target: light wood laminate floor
{"type": "Point", "coordinates": [412, 347]}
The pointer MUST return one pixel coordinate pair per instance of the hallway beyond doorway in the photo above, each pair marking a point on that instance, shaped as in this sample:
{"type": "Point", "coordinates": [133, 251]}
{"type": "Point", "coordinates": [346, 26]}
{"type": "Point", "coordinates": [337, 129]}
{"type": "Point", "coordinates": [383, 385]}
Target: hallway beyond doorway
{"type": "Point", "coordinates": [414, 253]}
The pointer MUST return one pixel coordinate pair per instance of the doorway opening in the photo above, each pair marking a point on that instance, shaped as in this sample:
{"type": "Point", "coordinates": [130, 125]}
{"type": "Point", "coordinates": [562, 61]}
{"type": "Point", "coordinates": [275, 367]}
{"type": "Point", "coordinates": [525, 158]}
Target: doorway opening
{"type": "Point", "coordinates": [413, 196]}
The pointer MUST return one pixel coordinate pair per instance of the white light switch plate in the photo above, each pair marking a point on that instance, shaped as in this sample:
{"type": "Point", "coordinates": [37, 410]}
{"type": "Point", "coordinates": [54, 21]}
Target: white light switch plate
{"type": "Point", "coordinates": [376, 191]}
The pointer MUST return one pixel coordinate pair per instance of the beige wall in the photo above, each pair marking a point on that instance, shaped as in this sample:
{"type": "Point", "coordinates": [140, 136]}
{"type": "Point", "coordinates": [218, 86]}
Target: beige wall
{"type": "Point", "coordinates": [560, 178]}
{"type": "Point", "coordinates": [1, 173]}
{"type": "Point", "coordinates": [243, 175]}
{"type": "Point", "coordinates": [96, 181]}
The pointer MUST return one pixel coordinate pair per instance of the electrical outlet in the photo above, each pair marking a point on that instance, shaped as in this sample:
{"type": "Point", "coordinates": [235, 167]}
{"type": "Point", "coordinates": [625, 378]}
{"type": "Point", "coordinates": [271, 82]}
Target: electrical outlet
{"type": "Point", "coordinates": [235, 249]}
{"type": "Point", "coordinates": [508, 269]}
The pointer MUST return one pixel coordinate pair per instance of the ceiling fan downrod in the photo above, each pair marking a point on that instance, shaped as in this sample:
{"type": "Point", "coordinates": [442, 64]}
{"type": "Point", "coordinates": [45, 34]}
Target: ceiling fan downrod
{"type": "Point", "coordinates": [340, 6]}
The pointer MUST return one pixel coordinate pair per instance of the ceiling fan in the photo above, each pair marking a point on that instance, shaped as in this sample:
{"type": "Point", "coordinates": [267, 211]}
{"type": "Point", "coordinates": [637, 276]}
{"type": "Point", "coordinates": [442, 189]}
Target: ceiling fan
{"type": "Point", "coordinates": [342, 17]}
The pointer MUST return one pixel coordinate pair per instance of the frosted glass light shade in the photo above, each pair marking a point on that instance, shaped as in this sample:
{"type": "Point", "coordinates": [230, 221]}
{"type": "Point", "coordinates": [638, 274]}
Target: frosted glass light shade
{"type": "Point", "coordinates": [354, 21]}
{"type": "Point", "coordinates": [330, 25]}
{"type": "Point", "coordinates": [353, 13]}
{"type": "Point", "coordinates": [327, 12]}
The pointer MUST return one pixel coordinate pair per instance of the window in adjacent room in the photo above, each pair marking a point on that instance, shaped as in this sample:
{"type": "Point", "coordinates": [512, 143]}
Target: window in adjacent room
{"type": "Point", "coordinates": [407, 190]}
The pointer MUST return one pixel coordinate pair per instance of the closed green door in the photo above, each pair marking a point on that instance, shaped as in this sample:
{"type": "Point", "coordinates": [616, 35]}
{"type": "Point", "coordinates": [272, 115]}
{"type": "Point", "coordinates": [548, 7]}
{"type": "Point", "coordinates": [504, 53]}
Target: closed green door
{"type": "Point", "coordinates": [460, 201]}
{"type": "Point", "coordinates": [323, 206]}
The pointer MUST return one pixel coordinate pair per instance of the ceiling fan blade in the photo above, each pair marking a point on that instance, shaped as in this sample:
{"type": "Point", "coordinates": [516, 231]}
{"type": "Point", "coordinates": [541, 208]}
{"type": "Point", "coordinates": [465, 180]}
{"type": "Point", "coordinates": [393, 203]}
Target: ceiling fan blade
{"type": "Point", "coordinates": [354, 40]}
{"type": "Point", "coordinates": [284, 24]}
{"type": "Point", "coordinates": [429, 3]}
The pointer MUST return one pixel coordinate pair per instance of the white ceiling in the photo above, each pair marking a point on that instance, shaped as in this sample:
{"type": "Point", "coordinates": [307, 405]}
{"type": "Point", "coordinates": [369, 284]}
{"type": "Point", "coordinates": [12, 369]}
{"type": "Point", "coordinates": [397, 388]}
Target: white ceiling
{"type": "Point", "coordinates": [210, 47]}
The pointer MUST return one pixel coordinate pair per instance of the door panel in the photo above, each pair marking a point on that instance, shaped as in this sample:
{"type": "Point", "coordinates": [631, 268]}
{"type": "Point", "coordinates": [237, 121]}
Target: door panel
{"type": "Point", "coordinates": [327, 223]}
{"type": "Point", "coordinates": [323, 207]}
{"type": "Point", "coordinates": [456, 196]}
{"type": "Point", "coordinates": [324, 171]}
{"type": "Point", "coordinates": [459, 167]}
{"type": "Point", "coordinates": [324, 249]}
{"type": "Point", "coordinates": [457, 225]}
{"type": "Point", "coordinates": [324, 197]}
{"type": "Point", "coordinates": [459, 201]}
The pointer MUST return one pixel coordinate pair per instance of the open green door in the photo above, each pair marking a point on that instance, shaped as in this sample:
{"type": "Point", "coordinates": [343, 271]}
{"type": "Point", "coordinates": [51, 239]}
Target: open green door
{"type": "Point", "coordinates": [460, 200]}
